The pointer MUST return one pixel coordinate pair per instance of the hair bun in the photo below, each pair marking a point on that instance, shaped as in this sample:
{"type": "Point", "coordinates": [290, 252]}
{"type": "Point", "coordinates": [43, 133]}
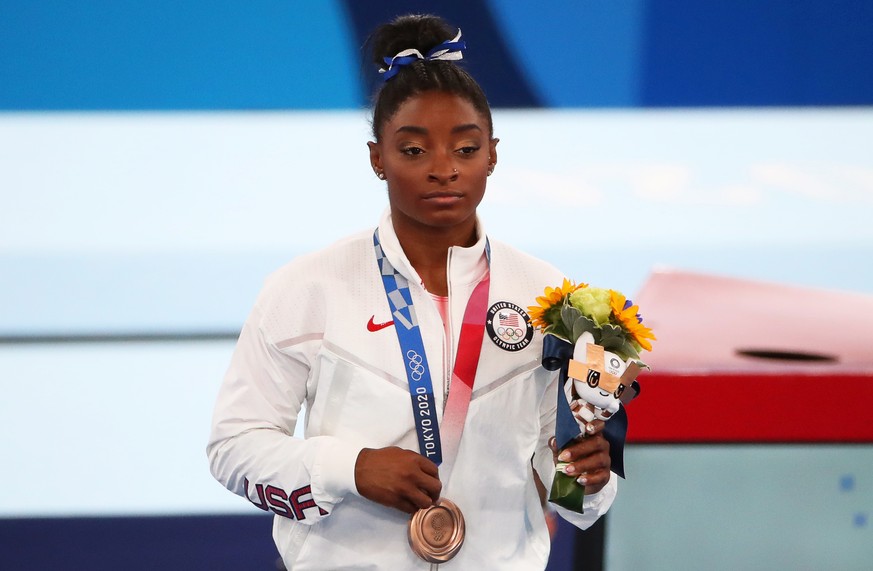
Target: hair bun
{"type": "Point", "coordinates": [419, 31]}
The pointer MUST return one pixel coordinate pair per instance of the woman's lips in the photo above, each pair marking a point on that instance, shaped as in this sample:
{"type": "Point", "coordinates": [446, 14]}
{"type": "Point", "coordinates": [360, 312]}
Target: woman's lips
{"type": "Point", "coordinates": [443, 197]}
{"type": "Point", "coordinates": [443, 193]}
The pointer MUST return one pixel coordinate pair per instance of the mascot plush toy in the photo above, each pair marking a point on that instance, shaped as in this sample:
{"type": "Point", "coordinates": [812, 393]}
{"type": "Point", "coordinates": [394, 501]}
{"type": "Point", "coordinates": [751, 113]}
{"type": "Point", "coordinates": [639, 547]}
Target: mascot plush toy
{"type": "Point", "coordinates": [596, 381]}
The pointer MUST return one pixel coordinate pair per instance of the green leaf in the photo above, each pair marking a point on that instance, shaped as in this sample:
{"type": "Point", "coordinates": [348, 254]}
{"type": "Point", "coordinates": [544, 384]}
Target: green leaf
{"type": "Point", "coordinates": [628, 351]}
{"type": "Point", "coordinates": [612, 337]}
{"type": "Point", "coordinates": [583, 324]}
{"type": "Point", "coordinates": [569, 315]}
{"type": "Point", "coordinates": [557, 330]}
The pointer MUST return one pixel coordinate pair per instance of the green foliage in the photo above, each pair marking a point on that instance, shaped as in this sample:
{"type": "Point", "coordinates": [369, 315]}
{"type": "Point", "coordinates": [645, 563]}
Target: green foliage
{"type": "Point", "coordinates": [583, 325]}
{"type": "Point", "coordinates": [571, 325]}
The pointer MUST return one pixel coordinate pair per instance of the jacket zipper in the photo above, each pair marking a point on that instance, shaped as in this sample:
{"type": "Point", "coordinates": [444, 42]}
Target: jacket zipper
{"type": "Point", "coordinates": [447, 338]}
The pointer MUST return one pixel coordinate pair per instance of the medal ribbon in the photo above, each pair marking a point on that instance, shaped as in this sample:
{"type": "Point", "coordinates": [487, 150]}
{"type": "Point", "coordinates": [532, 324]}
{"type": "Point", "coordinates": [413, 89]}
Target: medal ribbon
{"type": "Point", "coordinates": [418, 371]}
{"type": "Point", "coordinates": [464, 374]}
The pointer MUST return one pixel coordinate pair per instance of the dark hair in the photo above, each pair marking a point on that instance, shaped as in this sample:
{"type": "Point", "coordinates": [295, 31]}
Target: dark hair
{"type": "Point", "coordinates": [421, 32]}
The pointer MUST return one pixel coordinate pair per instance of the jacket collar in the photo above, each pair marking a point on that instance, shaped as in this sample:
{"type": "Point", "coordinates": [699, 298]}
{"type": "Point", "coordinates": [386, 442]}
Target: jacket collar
{"type": "Point", "coordinates": [468, 265]}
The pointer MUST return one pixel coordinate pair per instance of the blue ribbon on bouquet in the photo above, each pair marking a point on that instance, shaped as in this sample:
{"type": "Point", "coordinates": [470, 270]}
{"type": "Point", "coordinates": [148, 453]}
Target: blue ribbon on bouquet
{"type": "Point", "coordinates": [556, 356]}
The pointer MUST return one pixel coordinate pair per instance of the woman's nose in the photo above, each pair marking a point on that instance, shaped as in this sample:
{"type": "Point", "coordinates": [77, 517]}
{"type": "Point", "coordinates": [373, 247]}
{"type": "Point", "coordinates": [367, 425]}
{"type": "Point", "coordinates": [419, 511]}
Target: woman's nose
{"type": "Point", "coordinates": [443, 172]}
{"type": "Point", "coordinates": [445, 175]}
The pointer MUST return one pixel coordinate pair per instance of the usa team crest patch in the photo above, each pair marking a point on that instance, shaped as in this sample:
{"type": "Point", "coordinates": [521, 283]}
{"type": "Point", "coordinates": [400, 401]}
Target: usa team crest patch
{"type": "Point", "coordinates": [508, 326]}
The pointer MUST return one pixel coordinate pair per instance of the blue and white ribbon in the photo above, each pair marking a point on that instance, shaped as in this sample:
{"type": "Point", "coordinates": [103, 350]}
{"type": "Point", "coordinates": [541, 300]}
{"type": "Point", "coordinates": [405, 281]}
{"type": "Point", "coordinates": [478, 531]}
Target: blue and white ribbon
{"type": "Point", "coordinates": [412, 347]}
{"type": "Point", "coordinates": [448, 50]}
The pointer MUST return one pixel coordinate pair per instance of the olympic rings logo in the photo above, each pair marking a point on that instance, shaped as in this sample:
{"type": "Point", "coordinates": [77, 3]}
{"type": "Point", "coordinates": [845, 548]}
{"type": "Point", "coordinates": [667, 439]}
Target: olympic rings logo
{"type": "Point", "coordinates": [415, 364]}
{"type": "Point", "coordinates": [510, 333]}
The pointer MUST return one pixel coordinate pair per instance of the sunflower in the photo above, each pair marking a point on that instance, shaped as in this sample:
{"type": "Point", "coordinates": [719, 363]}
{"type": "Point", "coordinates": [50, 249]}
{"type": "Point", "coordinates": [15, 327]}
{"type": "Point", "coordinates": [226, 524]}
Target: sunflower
{"type": "Point", "coordinates": [625, 313]}
{"type": "Point", "coordinates": [540, 315]}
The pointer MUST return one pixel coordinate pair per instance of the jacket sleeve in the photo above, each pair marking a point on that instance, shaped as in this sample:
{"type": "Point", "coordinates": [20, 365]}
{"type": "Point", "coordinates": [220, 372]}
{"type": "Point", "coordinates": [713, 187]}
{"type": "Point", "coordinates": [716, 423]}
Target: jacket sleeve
{"type": "Point", "coordinates": [252, 450]}
{"type": "Point", "coordinates": [594, 505]}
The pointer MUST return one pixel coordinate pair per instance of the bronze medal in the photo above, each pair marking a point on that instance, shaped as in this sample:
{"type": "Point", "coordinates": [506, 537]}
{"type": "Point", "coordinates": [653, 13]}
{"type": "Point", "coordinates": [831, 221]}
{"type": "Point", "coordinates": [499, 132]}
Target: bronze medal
{"type": "Point", "coordinates": [436, 533]}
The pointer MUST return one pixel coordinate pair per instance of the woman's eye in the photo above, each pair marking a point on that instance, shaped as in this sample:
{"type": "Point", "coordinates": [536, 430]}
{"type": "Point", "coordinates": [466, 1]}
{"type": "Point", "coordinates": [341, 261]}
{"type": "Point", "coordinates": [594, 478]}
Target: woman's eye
{"type": "Point", "coordinates": [468, 150]}
{"type": "Point", "coordinates": [412, 150]}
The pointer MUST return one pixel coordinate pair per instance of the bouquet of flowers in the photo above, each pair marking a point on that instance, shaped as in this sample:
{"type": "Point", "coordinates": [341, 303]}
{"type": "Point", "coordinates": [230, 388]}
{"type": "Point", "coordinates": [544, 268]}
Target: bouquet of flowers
{"type": "Point", "coordinates": [594, 336]}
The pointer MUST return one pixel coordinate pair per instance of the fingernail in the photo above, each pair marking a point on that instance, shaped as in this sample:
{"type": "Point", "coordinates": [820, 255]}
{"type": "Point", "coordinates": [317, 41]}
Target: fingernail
{"type": "Point", "coordinates": [564, 456]}
{"type": "Point", "coordinates": [582, 481]}
{"type": "Point", "coordinates": [589, 428]}
{"type": "Point", "coordinates": [569, 469]}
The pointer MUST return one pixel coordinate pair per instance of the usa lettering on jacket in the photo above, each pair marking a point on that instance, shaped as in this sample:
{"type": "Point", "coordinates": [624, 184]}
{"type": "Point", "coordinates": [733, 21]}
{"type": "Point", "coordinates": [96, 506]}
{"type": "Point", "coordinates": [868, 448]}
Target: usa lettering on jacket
{"type": "Point", "coordinates": [292, 506]}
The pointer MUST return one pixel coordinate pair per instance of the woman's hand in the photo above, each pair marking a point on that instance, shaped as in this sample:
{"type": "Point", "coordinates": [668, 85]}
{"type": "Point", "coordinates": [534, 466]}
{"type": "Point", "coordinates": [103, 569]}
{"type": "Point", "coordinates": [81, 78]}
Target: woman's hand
{"type": "Point", "coordinates": [397, 478]}
{"type": "Point", "coordinates": [588, 457]}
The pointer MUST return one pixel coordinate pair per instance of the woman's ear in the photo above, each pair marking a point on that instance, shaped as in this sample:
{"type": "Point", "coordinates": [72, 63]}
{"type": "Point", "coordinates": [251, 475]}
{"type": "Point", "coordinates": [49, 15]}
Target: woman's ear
{"type": "Point", "coordinates": [492, 154]}
{"type": "Point", "coordinates": [375, 156]}
{"type": "Point", "coordinates": [376, 159]}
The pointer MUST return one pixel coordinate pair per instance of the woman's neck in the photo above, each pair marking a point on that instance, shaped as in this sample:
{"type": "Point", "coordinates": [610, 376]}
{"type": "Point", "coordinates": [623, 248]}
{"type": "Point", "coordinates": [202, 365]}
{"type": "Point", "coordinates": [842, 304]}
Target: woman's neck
{"type": "Point", "coordinates": [427, 251]}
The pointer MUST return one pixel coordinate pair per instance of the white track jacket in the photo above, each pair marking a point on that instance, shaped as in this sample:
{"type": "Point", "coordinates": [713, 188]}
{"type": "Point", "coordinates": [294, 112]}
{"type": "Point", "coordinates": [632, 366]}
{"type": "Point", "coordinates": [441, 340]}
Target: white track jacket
{"type": "Point", "coordinates": [319, 337]}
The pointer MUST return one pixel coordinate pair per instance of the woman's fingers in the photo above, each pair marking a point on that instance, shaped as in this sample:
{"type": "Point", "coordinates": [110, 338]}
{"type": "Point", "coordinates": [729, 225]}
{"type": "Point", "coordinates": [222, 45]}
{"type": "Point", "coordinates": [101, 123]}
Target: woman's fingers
{"type": "Point", "coordinates": [397, 478]}
{"type": "Point", "coordinates": [588, 460]}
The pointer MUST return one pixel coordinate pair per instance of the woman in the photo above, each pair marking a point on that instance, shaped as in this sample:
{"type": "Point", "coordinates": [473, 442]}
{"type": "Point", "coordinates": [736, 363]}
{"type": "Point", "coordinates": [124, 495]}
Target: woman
{"type": "Point", "coordinates": [425, 311]}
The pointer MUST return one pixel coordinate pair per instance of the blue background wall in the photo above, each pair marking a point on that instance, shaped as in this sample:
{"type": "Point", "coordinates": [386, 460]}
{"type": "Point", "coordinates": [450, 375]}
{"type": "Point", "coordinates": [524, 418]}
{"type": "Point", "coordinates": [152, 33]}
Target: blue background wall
{"type": "Point", "coordinates": [129, 55]}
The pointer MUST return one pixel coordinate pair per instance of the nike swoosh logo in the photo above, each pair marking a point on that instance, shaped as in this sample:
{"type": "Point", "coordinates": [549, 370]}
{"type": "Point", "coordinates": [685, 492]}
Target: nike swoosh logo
{"type": "Point", "coordinates": [377, 326]}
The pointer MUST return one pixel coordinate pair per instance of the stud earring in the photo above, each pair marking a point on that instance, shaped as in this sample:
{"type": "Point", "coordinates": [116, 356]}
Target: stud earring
{"type": "Point", "coordinates": [380, 175]}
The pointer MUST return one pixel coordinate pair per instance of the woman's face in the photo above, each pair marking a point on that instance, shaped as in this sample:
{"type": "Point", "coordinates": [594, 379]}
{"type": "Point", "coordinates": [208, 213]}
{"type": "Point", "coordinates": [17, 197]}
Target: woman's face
{"type": "Point", "coordinates": [436, 154]}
